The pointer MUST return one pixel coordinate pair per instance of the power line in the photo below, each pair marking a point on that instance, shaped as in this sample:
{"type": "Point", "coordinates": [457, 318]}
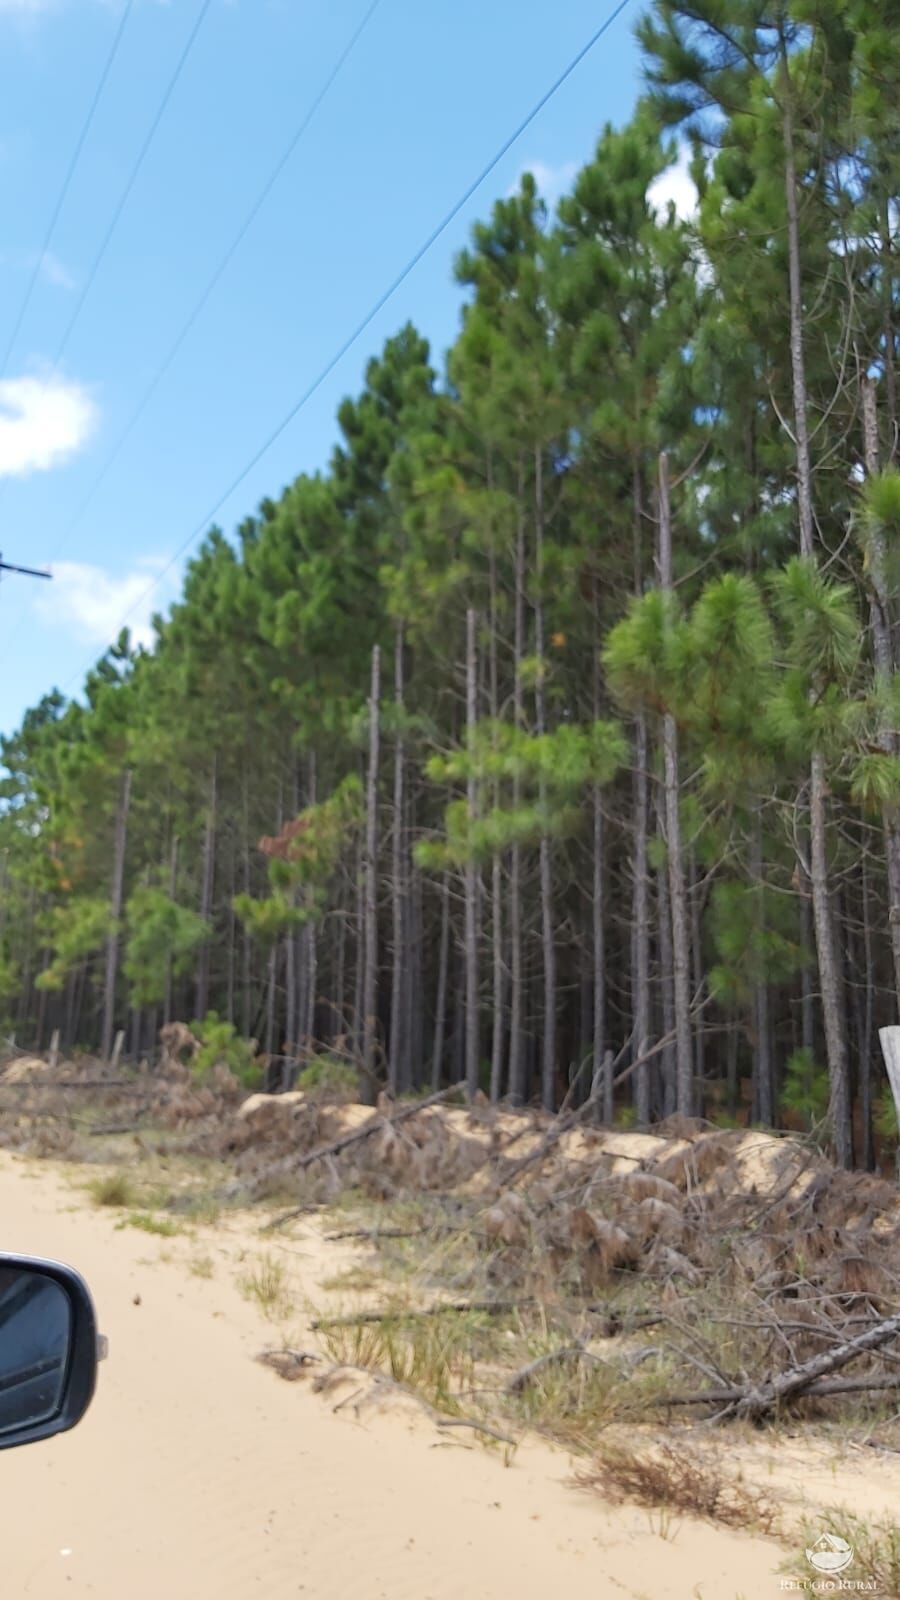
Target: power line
{"type": "Point", "coordinates": [133, 176]}
{"type": "Point", "coordinates": [67, 183]}
{"type": "Point", "coordinates": [222, 267]}
{"type": "Point", "coordinates": [216, 276]}
{"type": "Point", "coordinates": [369, 318]}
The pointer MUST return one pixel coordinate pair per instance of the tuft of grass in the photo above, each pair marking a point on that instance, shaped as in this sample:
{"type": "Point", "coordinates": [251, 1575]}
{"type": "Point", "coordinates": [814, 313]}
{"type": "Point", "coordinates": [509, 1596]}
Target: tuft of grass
{"type": "Point", "coordinates": [432, 1357]}
{"type": "Point", "coordinates": [116, 1189]}
{"type": "Point", "coordinates": [150, 1224]}
{"type": "Point", "coordinates": [201, 1266]}
{"type": "Point", "coordinates": [200, 1207]}
{"type": "Point", "coordinates": [666, 1478]}
{"type": "Point", "coordinates": [359, 1276]}
{"type": "Point", "coordinates": [267, 1285]}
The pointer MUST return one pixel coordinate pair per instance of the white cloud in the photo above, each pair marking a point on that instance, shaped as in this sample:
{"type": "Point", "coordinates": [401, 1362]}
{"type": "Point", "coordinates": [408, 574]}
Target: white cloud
{"type": "Point", "coordinates": [43, 421]}
{"type": "Point", "coordinates": [552, 182]}
{"type": "Point", "coordinates": [92, 604]}
{"type": "Point", "coordinates": [675, 185]}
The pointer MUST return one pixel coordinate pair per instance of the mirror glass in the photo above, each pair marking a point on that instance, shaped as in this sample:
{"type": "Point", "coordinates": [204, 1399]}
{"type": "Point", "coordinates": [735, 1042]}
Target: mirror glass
{"type": "Point", "coordinates": [35, 1332]}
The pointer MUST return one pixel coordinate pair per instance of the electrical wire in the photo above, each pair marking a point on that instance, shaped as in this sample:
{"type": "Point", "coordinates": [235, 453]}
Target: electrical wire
{"type": "Point", "coordinates": [67, 183]}
{"type": "Point", "coordinates": [133, 177]}
{"type": "Point", "coordinates": [221, 267]}
{"type": "Point", "coordinates": [378, 305]}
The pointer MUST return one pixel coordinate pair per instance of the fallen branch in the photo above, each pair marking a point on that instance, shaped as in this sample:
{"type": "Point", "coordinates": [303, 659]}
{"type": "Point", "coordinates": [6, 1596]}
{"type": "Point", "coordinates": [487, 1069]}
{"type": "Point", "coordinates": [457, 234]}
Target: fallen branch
{"type": "Point", "coordinates": [480, 1427]}
{"type": "Point", "coordinates": [755, 1403]}
{"type": "Point", "coordinates": [567, 1352]}
{"type": "Point", "coordinates": [372, 1235]}
{"type": "Point", "coordinates": [823, 1387]}
{"type": "Point", "coordinates": [494, 1308]}
{"type": "Point", "coordinates": [810, 1379]}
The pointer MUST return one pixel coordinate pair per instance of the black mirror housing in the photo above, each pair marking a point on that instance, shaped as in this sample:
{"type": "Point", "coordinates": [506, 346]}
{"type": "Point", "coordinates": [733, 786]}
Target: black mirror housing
{"type": "Point", "coordinates": [49, 1349]}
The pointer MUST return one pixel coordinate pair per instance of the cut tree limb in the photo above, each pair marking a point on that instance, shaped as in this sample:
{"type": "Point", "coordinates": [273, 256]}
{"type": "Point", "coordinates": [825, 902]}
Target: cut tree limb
{"type": "Point", "coordinates": [808, 1379]}
{"type": "Point", "coordinates": [494, 1308]}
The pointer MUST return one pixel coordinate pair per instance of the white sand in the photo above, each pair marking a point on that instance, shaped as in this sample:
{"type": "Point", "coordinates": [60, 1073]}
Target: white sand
{"type": "Point", "coordinates": [198, 1473]}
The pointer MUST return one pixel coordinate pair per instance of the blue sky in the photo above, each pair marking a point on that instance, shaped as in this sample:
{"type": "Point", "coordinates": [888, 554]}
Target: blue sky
{"type": "Point", "coordinates": [430, 91]}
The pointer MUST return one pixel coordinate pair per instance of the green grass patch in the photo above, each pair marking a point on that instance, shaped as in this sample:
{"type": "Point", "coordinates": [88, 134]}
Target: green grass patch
{"type": "Point", "coordinates": [116, 1189]}
{"type": "Point", "coordinates": [266, 1283]}
{"type": "Point", "coordinates": [148, 1223]}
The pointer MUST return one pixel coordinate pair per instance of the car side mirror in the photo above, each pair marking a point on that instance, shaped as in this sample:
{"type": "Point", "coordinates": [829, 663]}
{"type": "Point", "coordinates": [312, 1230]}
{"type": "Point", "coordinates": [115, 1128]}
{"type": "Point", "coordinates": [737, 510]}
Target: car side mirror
{"type": "Point", "coordinates": [48, 1349]}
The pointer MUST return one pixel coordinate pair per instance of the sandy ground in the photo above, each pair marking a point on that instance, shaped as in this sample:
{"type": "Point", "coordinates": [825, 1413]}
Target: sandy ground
{"type": "Point", "coordinates": [198, 1473]}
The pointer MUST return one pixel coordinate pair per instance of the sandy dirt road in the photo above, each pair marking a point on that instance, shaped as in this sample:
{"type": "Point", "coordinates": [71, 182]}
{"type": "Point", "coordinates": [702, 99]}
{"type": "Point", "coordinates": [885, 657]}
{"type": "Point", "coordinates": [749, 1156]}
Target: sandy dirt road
{"type": "Point", "coordinates": [199, 1475]}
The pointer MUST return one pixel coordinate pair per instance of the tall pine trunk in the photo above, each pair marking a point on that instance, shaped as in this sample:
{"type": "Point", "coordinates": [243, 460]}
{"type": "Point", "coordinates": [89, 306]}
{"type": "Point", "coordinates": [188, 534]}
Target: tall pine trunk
{"type": "Point", "coordinates": [201, 1003]}
{"type": "Point", "coordinates": [762, 1052]}
{"type": "Point", "coordinates": [681, 952]}
{"type": "Point", "coordinates": [370, 982]}
{"type": "Point", "coordinates": [548, 931]}
{"type": "Point", "coordinates": [115, 910]}
{"type": "Point", "coordinates": [880, 613]}
{"type": "Point", "coordinates": [517, 1063]}
{"type": "Point", "coordinates": [440, 1005]}
{"type": "Point", "coordinates": [471, 870]}
{"type": "Point", "coordinates": [598, 919]}
{"type": "Point", "coordinates": [173, 885]}
{"type": "Point", "coordinates": [640, 918]}
{"type": "Point", "coordinates": [398, 1067]}
{"type": "Point", "coordinates": [498, 970]}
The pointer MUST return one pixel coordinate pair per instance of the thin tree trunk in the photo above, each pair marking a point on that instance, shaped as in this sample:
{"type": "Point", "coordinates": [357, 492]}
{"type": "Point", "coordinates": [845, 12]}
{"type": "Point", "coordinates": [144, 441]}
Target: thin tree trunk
{"type": "Point", "coordinates": [681, 957]}
{"type": "Point", "coordinates": [472, 1059]}
{"type": "Point", "coordinates": [311, 951]}
{"type": "Point", "coordinates": [697, 976]}
{"type": "Point", "coordinates": [888, 278]}
{"type": "Point", "coordinates": [370, 985]}
{"type": "Point", "coordinates": [290, 1041]}
{"type": "Point", "coordinates": [517, 1068]}
{"type": "Point", "coordinates": [835, 1041]}
{"type": "Point", "coordinates": [246, 940]}
{"type": "Point", "coordinates": [640, 913]}
{"type": "Point", "coordinates": [398, 1066]}
{"type": "Point", "coordinates": [201, 1005]}
{"type": "Point", "coordinates": [666, 974]}
{"type": "Point", "coordinates": [415, 989]}
{"type": "Point", "coordinates": [339, 1013]}
{"type": "Point", "coordinates": [882, 647]}
{"type": "Point", "coordinates": [498, 969]}
{"type": "Point", "coordinates": [270, 1000]}
{"type": "Point", "coordinates": [229, 943]}
{"type": "Point", "coordinates": [868, 1029]}
{"type": "Point", "coordinates": [548, 931]}
{"type": "Point", "coordinates": [115, 911]}
{"type": "Point", "coordinates": [359, 975]}
{"type": "Point", "coordinates": [173, 886]}
{"type": "Point", "coordinates": [762, 1057]}
{"type": "Point", "coordinates": [832, 1010]}
{"type": "Point", "coordinates": [798, 364]}
{"type": "Point", "coordinates": [598, 917]}
{"type": "Point", "coordinates": [440, 1007]}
